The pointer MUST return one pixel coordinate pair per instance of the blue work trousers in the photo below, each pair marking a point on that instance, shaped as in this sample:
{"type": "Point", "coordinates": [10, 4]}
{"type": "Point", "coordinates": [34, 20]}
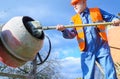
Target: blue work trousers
{"type": "Point", "coordinates": [96, 50]}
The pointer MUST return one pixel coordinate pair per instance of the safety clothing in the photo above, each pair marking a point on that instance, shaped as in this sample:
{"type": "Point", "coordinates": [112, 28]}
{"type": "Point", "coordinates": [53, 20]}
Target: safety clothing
{"type": "Point", "coordinates": [96, 17]}
{"type": "Point", "coordinates": [80, 36]}
{"type": "Point", "coordinates": [73, 2]}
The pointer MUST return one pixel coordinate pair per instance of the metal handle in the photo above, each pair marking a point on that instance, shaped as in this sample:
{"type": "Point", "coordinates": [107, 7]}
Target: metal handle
{"type": "Point", "coordinates": [39, 26]}
{"type": "Point", "coordinates": [77, 25]}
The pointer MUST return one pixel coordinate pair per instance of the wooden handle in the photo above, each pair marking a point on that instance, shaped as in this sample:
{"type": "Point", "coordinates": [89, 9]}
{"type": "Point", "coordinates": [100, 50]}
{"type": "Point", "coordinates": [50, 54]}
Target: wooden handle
{"type": "Point", "coordinates": [39, 26]}
{"type": "Point", "coordinates": [77, 25]}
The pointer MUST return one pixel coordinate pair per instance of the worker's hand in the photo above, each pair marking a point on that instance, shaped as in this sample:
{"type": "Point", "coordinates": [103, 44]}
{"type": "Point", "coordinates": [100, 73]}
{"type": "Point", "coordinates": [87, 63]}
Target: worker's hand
{"type": "Point", "coordinates": [60, 27]}
{"type": "Point", "coordinates": [116, 22]}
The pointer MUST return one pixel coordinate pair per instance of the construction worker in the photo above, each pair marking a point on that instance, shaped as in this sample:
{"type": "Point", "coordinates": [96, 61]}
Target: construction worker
{"type": "Point", "coordinates": [92, 40]}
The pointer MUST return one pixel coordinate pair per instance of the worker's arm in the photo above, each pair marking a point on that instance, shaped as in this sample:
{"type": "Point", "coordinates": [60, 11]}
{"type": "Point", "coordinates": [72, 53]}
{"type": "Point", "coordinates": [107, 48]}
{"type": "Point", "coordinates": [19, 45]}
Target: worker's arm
{"type": "Point", "coordinates": [68, 34]}
{"type": "Point", "coordinates": [108, 17]}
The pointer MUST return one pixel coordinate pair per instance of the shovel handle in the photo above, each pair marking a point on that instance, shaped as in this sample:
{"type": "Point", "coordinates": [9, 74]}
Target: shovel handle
{"type": "Point", "coordinates": [39, 26]}
{"type": "Point", "coordinates": [77, 25]}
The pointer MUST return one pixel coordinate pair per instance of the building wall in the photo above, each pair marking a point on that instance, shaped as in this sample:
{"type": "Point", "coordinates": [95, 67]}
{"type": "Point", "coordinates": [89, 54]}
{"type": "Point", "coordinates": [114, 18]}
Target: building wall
{"type": "Point", "coordinates": [114, 42]}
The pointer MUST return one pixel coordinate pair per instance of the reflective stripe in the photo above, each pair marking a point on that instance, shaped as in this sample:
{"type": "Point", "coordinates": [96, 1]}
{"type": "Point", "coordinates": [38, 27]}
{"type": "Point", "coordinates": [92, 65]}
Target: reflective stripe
{"type": "Point", "coordinates": [98, 21]}
{"type": "Point", "coordinates": [100, 30]}
{"type": "Point", "coordinates": [81, 40]}
{"type": "Point", "coordinates": [81, 30]}
{"type": "Point", "coordinates": [80, 36]}
{"type": "Point", "coordinates": [97, 17]}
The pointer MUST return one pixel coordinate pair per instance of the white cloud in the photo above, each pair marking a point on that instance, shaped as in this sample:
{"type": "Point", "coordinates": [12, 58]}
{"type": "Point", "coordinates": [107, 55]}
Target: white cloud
{"type": "Point", "coordinates": [67, 50]}
{"type": "Point", "coordinates": [70, 68]}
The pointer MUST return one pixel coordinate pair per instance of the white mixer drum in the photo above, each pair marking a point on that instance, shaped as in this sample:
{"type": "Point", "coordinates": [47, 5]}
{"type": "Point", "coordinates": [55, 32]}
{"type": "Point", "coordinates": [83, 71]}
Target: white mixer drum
{"type": "Point", "coordinates": [18, 40]}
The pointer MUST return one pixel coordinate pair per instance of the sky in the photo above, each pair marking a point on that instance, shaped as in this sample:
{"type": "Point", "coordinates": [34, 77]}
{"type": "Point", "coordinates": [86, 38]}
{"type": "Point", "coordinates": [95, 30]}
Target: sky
{"type": "Point", "coordinates": [51, 13]}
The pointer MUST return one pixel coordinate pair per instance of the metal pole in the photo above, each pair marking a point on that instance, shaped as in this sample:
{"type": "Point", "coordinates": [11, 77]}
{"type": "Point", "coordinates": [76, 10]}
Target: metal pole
{"type": "Point", "coordinates": [98, 65]}
{"type": "Point", "coordinates": [14, 75]}
{"type": "Point", "coordinates": [33, 72]}
{"type": "Point", "coordinates": [77, 25]}
{"type": "Point", "coordinates": [36, 23]}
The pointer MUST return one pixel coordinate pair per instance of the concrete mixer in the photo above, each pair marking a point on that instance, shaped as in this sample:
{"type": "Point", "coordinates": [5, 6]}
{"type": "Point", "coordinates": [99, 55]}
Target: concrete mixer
{"type": "Point", "coordinates": [19, 42]}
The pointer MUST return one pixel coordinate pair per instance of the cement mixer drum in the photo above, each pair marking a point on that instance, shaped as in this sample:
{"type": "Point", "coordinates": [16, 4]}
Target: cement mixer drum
{"type": "Point", "coordinates": [18, 40]}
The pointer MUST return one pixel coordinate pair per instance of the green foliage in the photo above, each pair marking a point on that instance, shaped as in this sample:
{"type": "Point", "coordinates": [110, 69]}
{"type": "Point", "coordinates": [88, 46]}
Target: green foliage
{"type": "Point", "coordinates": [78, 78]}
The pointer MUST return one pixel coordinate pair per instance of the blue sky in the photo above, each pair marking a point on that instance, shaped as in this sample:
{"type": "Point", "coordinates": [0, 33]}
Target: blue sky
{"type": "Point", "coordinates": [51, 13]}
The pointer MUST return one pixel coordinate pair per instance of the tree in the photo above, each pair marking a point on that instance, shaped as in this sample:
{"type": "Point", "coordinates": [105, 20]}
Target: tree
{"type": "Point", "coordinates": [47, 70]}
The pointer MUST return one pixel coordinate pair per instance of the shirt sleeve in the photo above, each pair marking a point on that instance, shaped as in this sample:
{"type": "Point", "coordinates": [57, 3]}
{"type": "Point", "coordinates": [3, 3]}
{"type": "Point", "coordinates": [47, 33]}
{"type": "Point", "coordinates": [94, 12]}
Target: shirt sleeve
{"type": "Point", "coordinates": [108, 17]}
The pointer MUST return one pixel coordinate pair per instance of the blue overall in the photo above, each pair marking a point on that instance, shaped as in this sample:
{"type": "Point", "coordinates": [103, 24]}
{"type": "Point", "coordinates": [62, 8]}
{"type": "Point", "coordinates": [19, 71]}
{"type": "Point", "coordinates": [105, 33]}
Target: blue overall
{"type": "Point", "coordinates": [96, 48]}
